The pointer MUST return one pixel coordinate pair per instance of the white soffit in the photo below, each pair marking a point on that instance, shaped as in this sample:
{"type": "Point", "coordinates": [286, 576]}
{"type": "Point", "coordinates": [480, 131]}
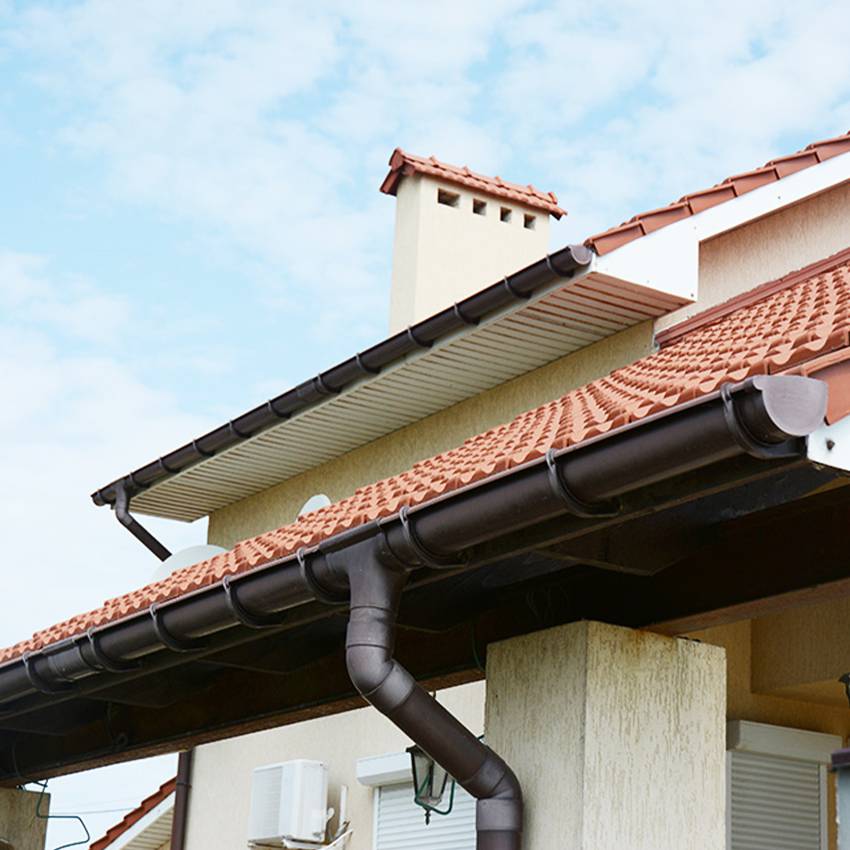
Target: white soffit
{"type": "Point", "coordinates": [569, 315]}
{"type": "Point", "coordinates": [151, 831]}
{"type": "Point", "coordinates": [644, 279]}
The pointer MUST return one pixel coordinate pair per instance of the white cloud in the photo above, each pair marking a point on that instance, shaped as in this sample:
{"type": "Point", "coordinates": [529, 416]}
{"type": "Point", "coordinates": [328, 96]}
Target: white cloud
{"type": "Point", "coordinates": [74, 417]}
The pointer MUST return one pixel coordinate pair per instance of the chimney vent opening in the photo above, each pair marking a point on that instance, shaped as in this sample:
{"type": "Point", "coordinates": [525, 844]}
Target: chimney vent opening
{"type": "Point", "coordinates": [505, 214]}
{"type": "Point", "coordinates": [479, 207]}
{"type": "Point", "coordinates": [448, 199]}
{"type": "Point", "coordinates": [529, 222]}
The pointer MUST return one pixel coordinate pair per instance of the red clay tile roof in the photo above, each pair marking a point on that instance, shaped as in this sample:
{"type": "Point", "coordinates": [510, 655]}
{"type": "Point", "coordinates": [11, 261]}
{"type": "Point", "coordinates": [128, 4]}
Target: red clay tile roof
{"type": "Point", "coordinates": [403, 164]}
{"type": "Point", "coordinates": [131, 818]}
{"type": "Point", "coordinates": [730, 188]}
{"type": "Point", "coordinates": [780, 332]}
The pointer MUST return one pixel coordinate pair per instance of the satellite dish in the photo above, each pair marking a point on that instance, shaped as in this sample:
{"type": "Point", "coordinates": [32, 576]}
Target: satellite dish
{"type": "Point", "coordinates": [314, 503]}
{"type": "Point", "coordinates": [185, 558]}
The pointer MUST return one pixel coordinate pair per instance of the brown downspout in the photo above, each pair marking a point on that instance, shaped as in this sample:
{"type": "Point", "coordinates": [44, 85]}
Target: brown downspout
{"type": "Point", "coordinates": [377, 574]}
{"type": "Point", "coordinates": [181, 800]}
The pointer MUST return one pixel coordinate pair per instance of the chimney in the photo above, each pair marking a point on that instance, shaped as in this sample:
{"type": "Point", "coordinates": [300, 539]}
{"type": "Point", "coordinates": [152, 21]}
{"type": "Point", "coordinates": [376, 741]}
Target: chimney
{"type": "Point", "coordinates": [456, 232]}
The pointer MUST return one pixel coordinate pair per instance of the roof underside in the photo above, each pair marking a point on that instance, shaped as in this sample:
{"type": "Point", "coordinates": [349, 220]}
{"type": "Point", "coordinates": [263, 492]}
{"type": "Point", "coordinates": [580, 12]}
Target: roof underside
{"type": "Point", "coordinates": [562, 319]}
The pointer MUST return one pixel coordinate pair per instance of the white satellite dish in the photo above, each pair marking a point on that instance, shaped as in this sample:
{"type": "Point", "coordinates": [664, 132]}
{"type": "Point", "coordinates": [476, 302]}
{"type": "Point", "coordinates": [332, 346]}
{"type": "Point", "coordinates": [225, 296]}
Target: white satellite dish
{"type": "Point", "coordinates": [314, 503]}
{"type": "Point", "coordinates": [185, 558]}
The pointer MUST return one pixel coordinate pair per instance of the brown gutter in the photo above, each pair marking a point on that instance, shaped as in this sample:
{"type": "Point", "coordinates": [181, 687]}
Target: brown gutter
{"type": "Point", "coordinates": [765, 416]}
{"type": "Point", "coordinates": [367, 567]}
{"type": "Point", "coordinates": [181, 800]}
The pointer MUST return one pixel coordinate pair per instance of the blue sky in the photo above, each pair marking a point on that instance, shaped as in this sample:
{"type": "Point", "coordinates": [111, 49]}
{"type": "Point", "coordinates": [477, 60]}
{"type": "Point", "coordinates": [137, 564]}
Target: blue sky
{"type": "Point", "coordinates": [190, 218]}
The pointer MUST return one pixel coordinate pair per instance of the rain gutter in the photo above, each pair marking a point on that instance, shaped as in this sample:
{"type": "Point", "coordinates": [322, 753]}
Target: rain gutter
{"type": "Point", "coordinates": [367, 568]}
{"type": "Point", "coordinates": [512, 289]}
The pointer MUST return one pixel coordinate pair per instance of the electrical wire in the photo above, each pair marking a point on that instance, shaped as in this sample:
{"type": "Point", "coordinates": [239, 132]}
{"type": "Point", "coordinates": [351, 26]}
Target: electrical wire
{"type": "Point", "coordinates": [42, 784]}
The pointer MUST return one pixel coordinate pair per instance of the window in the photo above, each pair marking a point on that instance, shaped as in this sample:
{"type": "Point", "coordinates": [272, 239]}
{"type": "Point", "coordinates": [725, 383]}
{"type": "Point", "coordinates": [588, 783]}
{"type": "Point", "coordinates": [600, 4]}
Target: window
{"type": "Point", "coordinates": [505, 214]}
{"type": "Point", "coordinates": [776, 787]}
{"type": "Point", "coordinates": [447, 199]}
{"type": "Point", "coordinates": [400, 823]}
{"type": "Point", "coordinates": [529, 222]}
{"type": "Point", "coordinates": [479, 207]}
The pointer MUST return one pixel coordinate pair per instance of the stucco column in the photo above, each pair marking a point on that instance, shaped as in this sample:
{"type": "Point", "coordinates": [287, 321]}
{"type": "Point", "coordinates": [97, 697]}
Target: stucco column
{"type": "Point", "coordinates": [617, 736]}
{"type": "Point", "coordinates": [20, 827]}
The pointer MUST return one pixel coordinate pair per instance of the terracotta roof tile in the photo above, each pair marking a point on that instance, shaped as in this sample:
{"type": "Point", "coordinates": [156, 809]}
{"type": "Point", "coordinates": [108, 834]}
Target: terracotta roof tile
{"type": "Point", "coordinates": [133, 817]}
{"type": "Point", "coordinates": [403, 164]}
{"type": "Point", "coordinates": [731, 187]}
{"type": "Point", "coordinates": [776, 328]}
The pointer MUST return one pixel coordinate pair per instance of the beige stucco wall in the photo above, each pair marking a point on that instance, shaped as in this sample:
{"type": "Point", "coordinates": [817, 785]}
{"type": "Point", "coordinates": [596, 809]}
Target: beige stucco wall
{"type": "Point", "coordinates": [617, 737]}
{"type": "Point", "coordinates": [443, 253]}
{"type": "Point", "coordinates": [444, 430]}
{"type": "Point", "coordinates": [769, 248]}
{"type": "Point", "coordinates": [775, 661]}
{"type": "Point", "coordinates": [221, 774]}
{"type": "Point", "coordinates": [19, 824]}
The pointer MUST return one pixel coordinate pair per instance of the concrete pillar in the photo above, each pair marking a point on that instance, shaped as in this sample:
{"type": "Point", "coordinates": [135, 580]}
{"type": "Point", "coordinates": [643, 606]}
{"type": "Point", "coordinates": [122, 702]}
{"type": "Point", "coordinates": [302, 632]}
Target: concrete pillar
{"type": "Point", "coordinates": [20, 827]}
{"type": "Point", "coordinates": [617, 736]}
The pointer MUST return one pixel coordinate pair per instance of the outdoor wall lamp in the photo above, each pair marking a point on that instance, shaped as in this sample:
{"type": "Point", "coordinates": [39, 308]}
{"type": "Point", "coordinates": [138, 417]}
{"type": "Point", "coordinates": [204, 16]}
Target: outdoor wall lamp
{"type": "Point", "coordinates": [429, 783]}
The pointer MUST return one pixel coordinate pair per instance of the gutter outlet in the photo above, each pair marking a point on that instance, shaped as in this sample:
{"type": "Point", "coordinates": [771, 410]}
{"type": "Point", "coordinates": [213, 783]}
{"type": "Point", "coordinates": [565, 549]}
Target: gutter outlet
{"type": "Point", "coordinates": [377, 577]}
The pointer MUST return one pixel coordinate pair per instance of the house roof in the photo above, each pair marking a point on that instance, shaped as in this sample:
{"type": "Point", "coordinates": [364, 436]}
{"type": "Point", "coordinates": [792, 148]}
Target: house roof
{"type": "Point", "coordinates": [132, 818]}
{"type": "Point", "coordinates": [403, 164]}
{"type": "Point", "coordinates": [732, 187]}
{"type": "Point", "coordinates": [799, 326]}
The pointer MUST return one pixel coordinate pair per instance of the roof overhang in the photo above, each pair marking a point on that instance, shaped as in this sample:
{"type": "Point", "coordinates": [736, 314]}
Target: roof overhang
{"type": "Point", "coordinates": [723, 527]}
{"type": "Point", "coordinates": [562, 303]}
{"type": "Point", "coordinates": [555, 307]}
{"type": "Point", "coordinates": [151, 831]}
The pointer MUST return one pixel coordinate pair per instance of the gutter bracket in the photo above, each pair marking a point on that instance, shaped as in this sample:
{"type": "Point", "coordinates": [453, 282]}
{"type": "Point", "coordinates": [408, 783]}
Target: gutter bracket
{"type": "Point", "coordinates": [246, 617]}
{"type": "Point", "coordinates": [121, 506]}
{"type": "Point", "coordinates": [167, 639]}
{"type": "Point", "coordinates": [576, 506]}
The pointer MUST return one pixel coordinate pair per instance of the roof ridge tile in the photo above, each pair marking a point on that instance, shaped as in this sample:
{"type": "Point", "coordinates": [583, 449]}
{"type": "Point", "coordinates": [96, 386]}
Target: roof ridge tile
{"type": "Point", "coordinates": [814, 153]}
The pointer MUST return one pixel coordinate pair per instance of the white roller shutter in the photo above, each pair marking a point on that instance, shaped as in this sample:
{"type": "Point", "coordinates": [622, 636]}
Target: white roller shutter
{"type": "Point", "coordinates": [775, 803]}
{"type": "Point", "coordinates": [400, 823]}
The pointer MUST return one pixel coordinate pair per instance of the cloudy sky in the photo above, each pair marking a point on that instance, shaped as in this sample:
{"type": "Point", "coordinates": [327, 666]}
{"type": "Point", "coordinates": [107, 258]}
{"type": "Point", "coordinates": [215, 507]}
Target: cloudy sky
{"type": "Point", "coordinates": [190, 220]}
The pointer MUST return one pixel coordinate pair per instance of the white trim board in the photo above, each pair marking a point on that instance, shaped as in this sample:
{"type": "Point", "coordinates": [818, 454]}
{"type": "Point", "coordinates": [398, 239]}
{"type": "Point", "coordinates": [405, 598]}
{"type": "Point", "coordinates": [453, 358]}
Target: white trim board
{"type": "Point", "coordinates": [781, 741]}
{"type": "Point", "coordinates": [388, 769]}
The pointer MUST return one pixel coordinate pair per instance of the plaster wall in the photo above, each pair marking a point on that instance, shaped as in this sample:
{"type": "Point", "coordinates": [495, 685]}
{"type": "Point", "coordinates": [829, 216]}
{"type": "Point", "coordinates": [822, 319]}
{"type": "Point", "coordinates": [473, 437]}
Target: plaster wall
{"type": "Point", "coordinates": [768, 248]}
{"type": "Point", "coordinates": [786, 647]}
{"type": "Point", "coordinates": [443, 253]}
{"type": "Point", "coordinates": [444, 430]}
{"type": "Point", "coordinates": [617, 736]}
{"type": "Point", "coordinates": [19, 824]}
{"type": "Point", "coordinates": [746, 703]}
{"type": "Point", "coordinates": [809, 669]}
{"type": "Point", "coordinates": [221, 774]}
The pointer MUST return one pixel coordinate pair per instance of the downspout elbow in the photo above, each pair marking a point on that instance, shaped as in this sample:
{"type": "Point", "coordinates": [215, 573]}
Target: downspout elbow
{"type": "Point", "coordinates": [375, 594]}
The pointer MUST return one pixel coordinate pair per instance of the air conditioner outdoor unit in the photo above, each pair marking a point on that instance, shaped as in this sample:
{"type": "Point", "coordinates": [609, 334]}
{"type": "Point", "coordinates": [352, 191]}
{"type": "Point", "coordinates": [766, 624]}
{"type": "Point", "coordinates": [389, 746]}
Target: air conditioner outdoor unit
{"type": "Point", "coordinates": [289, 804]}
